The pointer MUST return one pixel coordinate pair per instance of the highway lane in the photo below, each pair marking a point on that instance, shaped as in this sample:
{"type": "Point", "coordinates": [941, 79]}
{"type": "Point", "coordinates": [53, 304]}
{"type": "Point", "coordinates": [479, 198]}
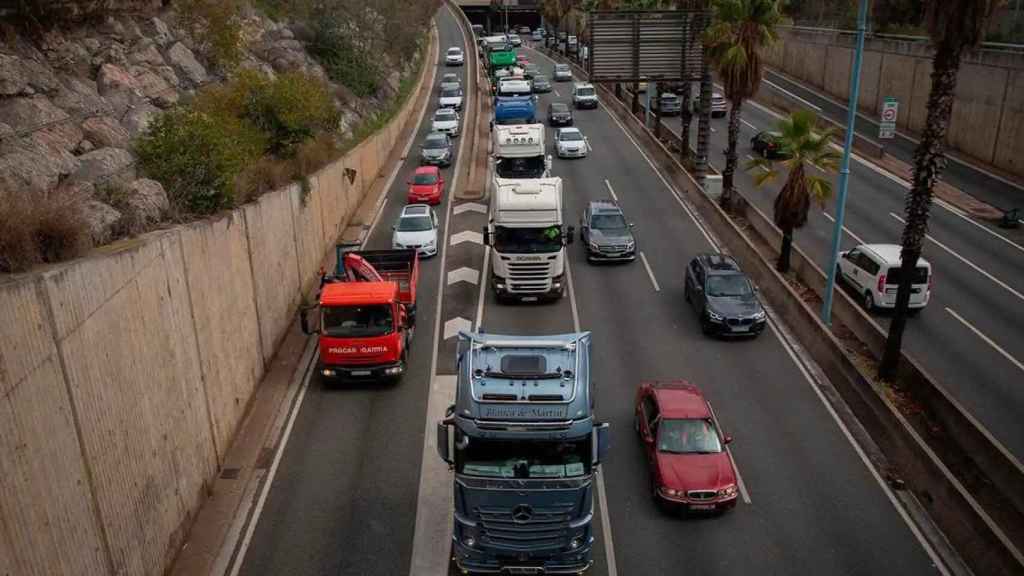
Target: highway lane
{"type": "Point", "coordinates": [979, 278]}
{"type": "Point", "coordinates": [344, 498]}
{"type": "Point", "coordinates": [976, 182]}
{"type": "Point", "coordinates": [814, 505]}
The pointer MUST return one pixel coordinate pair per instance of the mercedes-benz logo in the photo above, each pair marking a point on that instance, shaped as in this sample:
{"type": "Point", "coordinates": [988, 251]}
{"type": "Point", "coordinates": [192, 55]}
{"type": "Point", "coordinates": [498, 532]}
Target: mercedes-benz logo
{"type": "Point", "coordinates": [522, 513]}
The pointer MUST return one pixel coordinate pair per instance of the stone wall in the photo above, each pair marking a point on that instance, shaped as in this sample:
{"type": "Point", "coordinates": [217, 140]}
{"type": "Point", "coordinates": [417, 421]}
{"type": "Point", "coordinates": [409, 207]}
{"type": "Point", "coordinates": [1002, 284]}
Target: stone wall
{"type": "Point", "coordinates": [988, 114]}
{"type": "Point", "coordinates": [124, 375]}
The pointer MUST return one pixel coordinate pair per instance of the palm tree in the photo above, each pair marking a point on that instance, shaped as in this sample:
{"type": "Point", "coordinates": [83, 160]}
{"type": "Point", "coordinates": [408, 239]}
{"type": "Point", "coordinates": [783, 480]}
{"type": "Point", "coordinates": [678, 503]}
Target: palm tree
{"type": "Point", "coordinates": [955, 26]}
{"type": "Point", "coordinates": [802, 147]}
{"type": "Point", "coordinates": [740, 31]}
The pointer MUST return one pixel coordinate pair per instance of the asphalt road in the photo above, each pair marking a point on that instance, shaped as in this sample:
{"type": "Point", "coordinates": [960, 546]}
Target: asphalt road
{"type": "Point", "coordinates": [814, 505]}
{"type": "Point", "coordinates": [344, 498]}
{"type": "Point", "coordinates": [970, 337]}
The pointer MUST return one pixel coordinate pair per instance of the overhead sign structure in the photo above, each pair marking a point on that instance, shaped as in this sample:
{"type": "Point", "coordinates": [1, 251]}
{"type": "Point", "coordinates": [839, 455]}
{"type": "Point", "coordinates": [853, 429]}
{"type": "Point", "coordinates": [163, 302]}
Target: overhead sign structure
{"type": "Point", "coordinates": [887, 125]}
{"type": "Point", "coordinates": [631, 46]}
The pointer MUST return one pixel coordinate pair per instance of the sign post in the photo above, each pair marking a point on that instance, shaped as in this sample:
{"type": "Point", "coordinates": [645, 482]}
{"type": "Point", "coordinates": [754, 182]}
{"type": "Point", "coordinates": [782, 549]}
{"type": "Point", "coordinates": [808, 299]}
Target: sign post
{"type": "Point", "coordinates": [890, 111]}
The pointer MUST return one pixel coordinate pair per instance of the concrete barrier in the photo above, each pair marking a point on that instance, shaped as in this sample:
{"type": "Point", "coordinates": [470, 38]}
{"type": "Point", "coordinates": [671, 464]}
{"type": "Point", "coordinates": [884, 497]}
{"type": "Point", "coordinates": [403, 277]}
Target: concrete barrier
{"type": "Point", "coordinates": [125, 374]}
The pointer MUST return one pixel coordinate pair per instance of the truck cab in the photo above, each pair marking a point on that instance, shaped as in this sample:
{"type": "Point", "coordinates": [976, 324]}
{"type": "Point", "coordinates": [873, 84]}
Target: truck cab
{"type": "Point", "coordinates": [529, 240]}
{"type": "Point", "coordinates": [365, 315]}
{"type": "Point", "coordinates": [510, 110]}
{"type": "Point", "coordinates": [518, 151]}
{"type": "Point", "coordinates": [524, 445]}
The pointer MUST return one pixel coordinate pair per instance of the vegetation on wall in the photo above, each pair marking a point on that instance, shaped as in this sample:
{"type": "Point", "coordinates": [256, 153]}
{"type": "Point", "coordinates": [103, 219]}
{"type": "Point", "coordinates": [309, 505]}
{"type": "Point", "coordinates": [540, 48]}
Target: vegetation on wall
{"type": "Point", "coordinates": [216, 26]}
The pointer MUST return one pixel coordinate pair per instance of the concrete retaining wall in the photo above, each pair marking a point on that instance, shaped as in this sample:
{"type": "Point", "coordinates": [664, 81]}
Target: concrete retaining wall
{"type": "Point", "coordinates": [988, 115]}
{"type": "Point", "coordinates": [124, 375]}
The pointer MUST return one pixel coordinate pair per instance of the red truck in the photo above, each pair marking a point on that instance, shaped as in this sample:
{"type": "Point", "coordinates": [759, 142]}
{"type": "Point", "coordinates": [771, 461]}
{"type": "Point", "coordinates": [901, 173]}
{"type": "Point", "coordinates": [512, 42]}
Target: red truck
{"type": "Point", "coordinates": [366, 314]}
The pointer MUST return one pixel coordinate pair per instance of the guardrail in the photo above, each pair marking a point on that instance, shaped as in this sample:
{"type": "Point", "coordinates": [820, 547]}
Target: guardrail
{"type": "Point", "coordinates": [995, 46]}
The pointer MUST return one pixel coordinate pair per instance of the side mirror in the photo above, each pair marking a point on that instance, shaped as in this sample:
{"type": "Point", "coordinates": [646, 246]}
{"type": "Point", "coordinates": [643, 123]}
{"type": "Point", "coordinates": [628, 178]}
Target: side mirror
{"type": "Point", "coordinates": [600, 442]}
{"type": "Point", "coordinates": [728, 439]}
{"type": "Point", "coordinates": [632, 224]}
{"type": "Point", "coordinates": [570, 235]}
{"type": "Point", "coordinates": [547, 162]}
{"type": "Point", "coordinates": [444, 440]}
{"type": "Point", "coordinates": [304, 321]}
{"type": "Point", "coordinates": [486, 235]}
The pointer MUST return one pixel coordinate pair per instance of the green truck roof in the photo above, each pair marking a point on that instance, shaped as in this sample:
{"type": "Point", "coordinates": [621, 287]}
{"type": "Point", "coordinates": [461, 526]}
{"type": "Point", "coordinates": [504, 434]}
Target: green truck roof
{"type": "Point", "coordinates": [503, 58]}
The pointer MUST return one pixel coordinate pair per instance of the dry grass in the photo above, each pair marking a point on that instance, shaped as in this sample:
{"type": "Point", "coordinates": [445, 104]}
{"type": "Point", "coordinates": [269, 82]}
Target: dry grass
{"type": "Point", "coordinates": [38, 228]}
{"type": "Point", "coordinates": [269, 173]}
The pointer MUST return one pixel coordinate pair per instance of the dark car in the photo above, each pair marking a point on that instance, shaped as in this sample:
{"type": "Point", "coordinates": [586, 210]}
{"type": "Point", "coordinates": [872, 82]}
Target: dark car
{"type": "Point", "coordinates": [541, 84]}
{"type": "Point", "coordinates": [559, 114]}
{"type": "Point", "coordinates": [436, 149]}
{"type": "Point", "coordinates": [605, 233]}
{"type": "Point", "coordinates": [531, 70]}
{"type": "Point", "coordinates": [723, 297]}
{"type": "Point", "coordinates": [768, 145]}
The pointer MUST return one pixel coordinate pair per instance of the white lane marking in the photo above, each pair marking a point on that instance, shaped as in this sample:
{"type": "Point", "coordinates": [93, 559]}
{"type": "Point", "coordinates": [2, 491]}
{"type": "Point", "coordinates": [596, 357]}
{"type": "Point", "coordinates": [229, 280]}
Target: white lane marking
{"type": "Point", "coordinates": [650, 272]}
{"type": "Point", "coordinates": [752, 127]}
{"type": "Point", "coordinates": [987, 340]}
{"type": "Point", "coordinates": [466, 236]}
{"type": "Point", "coordinates": [936, 560]}
{"type": "Point", "coordinates": [962, 215]}
{"type": "Point", "coordinates": [587, 142]}
{"type": "Point", "coordinates": [455, 325]}
{"type": "Point", "coordinates": [483, 289]}
{"type": "Point", "coordinates": [750, 157]}
{"type": "Point", "coordinates": [380, 207]}
{"type": "Point", "coordinates": [469, 207]}
{"type": "Point", "coordinates": [602, 498]}
{"type": "Point", "coordinates": [433, 526]}
{"type": "Point", "coordinates": [966, 261]}
{"type": "Point", "coordinates": [845, 229]}
{"type": "Point", "coordinates": [463, 274]}
{"type": "Point", "coordinates": [813, 106]}
{"type": "Point", "coordinates": [712, 129]}
{"type": "Point", "coordinates": [557, 94]}
{"type": "Point", "coordinates": [611, 190]}
{"type": "Point", "coordinates": [739, 478]}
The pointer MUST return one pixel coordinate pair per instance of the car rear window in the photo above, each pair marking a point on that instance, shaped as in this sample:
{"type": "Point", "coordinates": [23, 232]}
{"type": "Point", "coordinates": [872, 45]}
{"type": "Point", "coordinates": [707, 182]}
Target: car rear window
{"type": "Point", "coordinates": [895, 274]}
{"type": "Point", "coordinates": [426, 178]}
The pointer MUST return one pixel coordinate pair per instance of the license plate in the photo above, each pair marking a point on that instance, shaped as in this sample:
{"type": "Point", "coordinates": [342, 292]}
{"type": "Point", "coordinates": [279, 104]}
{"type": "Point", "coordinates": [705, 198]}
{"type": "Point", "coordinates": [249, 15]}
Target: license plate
{"type": "Point", "coordinates": [529, 298]}
{"type": "Point", "coordinates": [613, 254]}
{"type": "Point", "coordinates": [739, 328]}
{"type": "Point", "coordinates": [702, 506]}
{"type": "Point", "coordinates": [360, 372]}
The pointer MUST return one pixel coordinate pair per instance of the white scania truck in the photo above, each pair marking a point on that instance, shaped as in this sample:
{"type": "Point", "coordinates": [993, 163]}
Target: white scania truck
{"type": "Point", "coordinates": [518, 151]}
{"type": "Point", "coordinates": [528, 237]}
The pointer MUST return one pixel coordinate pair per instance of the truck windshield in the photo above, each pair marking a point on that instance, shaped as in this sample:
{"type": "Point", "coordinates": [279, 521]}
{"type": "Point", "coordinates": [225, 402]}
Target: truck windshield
{"type": "Point", "coordinates": [529, 167]}
{"type": "Point", "coordinates": [503, 459]}
{"type": "Point", "coordinates": [357, 321]}
{"type": "Point", "coordinates": [527, 240]}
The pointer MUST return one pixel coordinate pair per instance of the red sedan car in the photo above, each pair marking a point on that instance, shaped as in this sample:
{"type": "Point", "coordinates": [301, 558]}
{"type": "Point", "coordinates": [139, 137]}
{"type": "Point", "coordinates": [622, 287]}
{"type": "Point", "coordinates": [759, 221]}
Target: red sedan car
{"type": "Point", "coordinates": [689, 466]}
{"type": "Point", "coordinates": [426, 185]}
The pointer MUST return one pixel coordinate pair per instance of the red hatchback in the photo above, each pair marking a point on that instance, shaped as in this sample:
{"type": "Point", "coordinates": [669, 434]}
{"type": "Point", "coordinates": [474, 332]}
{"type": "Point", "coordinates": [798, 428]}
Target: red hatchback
{"type": "Point", "coordinates": [689, 466]}
{"type": "Point", "coordinates": [426, 185]}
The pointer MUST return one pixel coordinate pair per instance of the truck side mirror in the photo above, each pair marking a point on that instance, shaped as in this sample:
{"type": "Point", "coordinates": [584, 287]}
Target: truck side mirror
{"type": "Point", "coordinates": [444, 438]}
{"type": "Point", "coordinates": [600, 441]}
{"type": "Point", "coordinates": [570, 235]}
{"type": "Point", "coordinates": [486, 236]}
{"type": "Point", "coordinates": [547, 162]}
{"type": "Point", "coordinates": [728, 439]}
{"type": "Point", "coordinates": [304, 321]}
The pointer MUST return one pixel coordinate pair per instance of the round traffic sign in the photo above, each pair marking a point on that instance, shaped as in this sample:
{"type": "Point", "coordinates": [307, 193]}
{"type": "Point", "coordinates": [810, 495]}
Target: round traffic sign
{"type": "Point", "coordinates": [889, 114]}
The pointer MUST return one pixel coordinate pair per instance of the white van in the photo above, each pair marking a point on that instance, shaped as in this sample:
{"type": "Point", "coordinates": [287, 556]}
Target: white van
{"type": "Point", "coordinates": [873, 270]}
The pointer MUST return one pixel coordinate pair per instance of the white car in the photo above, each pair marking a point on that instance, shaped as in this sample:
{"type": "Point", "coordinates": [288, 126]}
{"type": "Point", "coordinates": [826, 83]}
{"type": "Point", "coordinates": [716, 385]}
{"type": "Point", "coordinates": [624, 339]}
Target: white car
{"type": "Point", "coordinates": [584, 95]}
{"type": "Point", "coordinates": [455, 57]}
{"type": "Point", "coordinates": [873, 271]}
{"type": "Point", "coordinates": [571, 143]}
{"type": "Point", "coordinates": [719, 105]}
{"type": "Point", "coordinates": [451, 98]}
{"type": "Point", "coordinates": [446, 120]}
{"type": "Point", "coordinates": [416, 230]}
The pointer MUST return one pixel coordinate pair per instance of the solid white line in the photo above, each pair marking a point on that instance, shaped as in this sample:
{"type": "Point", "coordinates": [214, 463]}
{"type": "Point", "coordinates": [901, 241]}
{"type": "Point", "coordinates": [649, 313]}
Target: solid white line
{"type": "Point", "coordinates": [815, 107]}
{"type": "Point", "coordinates": [936, 560]}
{"type": "Point", "coordinates": [484, 276]}
{"type": "Point", "coordinates": [750, 157]}
{"type": "Point", "coordinates": [960, 213]}
{"type": "Point", "coordinates": [611, 190]}
{"type": "Point", "coordinates": [712, 129]}
{"type": "Point", "coordinates": [739, 478]}
{"type": "Point", "coordinates": [845, 229]}
{"type": "Point", "coordinates": [752, 127]}
{"type": "Point", "coordinates": [650, 272]}
{"type": "Point", "coordinates": [987, 340]}
{"type": "Point", "coordinates": [966, 261]}
{"type": "Point", "coordinates": [556, 93]}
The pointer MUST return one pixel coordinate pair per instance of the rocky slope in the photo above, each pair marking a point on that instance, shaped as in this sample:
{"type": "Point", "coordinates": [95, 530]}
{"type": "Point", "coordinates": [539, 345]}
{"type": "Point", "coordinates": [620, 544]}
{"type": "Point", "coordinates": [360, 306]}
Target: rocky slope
{"type": "Point", "coordinates": [72, 99]}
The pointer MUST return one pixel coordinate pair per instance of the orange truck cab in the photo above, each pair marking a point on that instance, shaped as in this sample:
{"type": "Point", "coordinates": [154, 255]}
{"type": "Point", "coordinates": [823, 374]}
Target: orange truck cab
{"type": "Point", "coordinates": [367, 311]}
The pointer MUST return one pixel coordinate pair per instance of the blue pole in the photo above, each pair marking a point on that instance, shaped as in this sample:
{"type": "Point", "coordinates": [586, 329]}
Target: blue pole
{"type": "Point", "coordinates": [844, 169]}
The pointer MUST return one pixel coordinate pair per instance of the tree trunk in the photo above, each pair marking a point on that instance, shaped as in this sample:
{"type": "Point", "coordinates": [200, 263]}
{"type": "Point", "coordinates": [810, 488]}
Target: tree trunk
{"type": "Point", "coordinates": [685, 117]}
{"type": "Point", "coordinates": [782, 265]}
{"type": "Point", "coordinates": [929, 161]}
{"type": "Point", "coordinates": [703, 121]}
{"type": "Point", "coordinates": [735, 112]}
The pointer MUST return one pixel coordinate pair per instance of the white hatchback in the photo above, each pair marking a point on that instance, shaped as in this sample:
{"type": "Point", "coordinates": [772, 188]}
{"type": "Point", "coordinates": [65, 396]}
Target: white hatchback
{"type": "Point", "coordinates": [446, 120]}
{"type": "Point", "coordinates": [455, 57]}
{"type": "Point", "coordinates": [416, 230]}
{"type": "Point", "coordinates": [571, 143]}
{"type": "Point", "coordinates": [873, 270]}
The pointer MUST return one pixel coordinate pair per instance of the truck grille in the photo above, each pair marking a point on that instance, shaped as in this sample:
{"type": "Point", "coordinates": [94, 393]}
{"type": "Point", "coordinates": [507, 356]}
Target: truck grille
{"type": "Point", "coordinates": [529, 277]}
{"type": "Point", "coordinates": [537, 528]}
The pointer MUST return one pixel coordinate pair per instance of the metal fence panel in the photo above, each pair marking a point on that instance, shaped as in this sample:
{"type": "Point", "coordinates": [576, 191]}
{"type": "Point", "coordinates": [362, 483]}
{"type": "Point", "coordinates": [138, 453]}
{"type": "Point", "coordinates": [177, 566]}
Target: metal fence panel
{"type": "Point", "coordinates": [653, 45]}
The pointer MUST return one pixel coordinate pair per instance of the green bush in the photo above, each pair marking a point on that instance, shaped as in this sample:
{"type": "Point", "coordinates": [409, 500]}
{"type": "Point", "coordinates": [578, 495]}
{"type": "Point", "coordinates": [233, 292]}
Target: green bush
{"type": "Point", "coordinates": [292, 109]}
{"type": "Point", "coordinates": [217, 26]}
{"type": "Point", "coordinates": [344, 62]}
{"type": "Point", "coordinates": [197, 156]}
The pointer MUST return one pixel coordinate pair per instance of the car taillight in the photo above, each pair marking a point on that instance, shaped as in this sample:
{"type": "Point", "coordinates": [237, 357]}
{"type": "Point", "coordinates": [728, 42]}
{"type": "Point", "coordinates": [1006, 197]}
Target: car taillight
{"type": "Point", "coordinates": [881, 283]}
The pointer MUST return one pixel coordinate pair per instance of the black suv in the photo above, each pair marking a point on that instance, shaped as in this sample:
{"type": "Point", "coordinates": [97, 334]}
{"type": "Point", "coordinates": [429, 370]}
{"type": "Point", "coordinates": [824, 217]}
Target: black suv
{"type": "Point", "coordinates": [605, 233]}
{"type": "Point", "coordinates": [768, 145]}
{"type": "Point", "coordinates": [559, 114]}
{"type": "Point", "coordinates": [723, 297]}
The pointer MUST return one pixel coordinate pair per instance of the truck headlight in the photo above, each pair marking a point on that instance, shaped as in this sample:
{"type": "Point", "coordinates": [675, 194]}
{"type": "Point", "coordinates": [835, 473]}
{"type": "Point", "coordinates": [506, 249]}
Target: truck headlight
{"type": "Point", "coordinates": [728, 491]}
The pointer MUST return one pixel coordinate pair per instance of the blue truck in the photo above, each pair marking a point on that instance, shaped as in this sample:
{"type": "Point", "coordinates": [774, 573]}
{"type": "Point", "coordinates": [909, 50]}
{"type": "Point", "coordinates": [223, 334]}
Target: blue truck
{"type": "Point", "coordinates": [514, 110]}
{"type": "Point", "coordinates": [524, 446]}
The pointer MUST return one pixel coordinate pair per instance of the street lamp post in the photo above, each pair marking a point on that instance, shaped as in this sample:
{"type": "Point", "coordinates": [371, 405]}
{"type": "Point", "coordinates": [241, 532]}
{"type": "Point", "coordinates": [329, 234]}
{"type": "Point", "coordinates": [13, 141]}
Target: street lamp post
{"type": "Point", "coordinates": [844, 169]}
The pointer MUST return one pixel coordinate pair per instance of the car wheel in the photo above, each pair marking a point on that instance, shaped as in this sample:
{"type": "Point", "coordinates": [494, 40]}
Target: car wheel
{"type": "Point", "coordinates": [869, 302]}
{"type": "Point", "coordinates": [764, 152]}
{"type": "Point", "coordinates": [705, 325]}
{"type": "Point", "coordinates": [636, 423]}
